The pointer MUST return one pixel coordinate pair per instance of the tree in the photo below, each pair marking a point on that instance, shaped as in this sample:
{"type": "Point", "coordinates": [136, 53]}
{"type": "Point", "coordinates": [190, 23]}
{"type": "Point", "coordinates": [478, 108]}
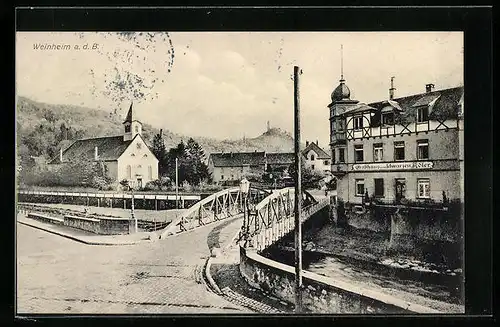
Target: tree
{"type": "Point", "coordinates": [310, 178]}
{"type": "Point", "coordinates": [159, 150]}
{"type": "Point", "coordinates": [197, 170]}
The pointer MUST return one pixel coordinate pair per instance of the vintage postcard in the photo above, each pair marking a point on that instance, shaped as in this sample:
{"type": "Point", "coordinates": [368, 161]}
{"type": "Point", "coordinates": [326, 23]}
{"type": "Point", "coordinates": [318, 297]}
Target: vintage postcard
{"type": "Point", "coordinates": [174, 172]}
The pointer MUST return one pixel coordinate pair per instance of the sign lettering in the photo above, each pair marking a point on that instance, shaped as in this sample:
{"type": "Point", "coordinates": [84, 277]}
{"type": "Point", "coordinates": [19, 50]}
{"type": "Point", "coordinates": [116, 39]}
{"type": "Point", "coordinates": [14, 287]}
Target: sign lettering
{"type": "Point", "coordinates": [394, 166]}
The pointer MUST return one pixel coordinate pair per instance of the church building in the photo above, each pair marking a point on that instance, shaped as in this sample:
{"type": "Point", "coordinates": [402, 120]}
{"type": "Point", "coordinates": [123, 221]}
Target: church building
{"type": "Point", "coordinates": [125, 156]}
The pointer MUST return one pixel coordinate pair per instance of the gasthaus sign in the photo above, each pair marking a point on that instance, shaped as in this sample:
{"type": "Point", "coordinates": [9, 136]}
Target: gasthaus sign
{"type": "Point", "coordinates": [393, 166]}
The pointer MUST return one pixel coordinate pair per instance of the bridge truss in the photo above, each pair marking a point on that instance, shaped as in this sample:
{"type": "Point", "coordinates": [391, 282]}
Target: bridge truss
{"type": "Point", "coordinates": [218, 206]}
{"type": "Point", "coordinates": [273, 217]}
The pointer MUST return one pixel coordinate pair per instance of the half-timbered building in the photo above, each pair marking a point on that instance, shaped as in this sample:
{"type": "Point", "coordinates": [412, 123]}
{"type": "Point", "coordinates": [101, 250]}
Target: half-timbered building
{"type": "Point", "coordinates": [409, 147]}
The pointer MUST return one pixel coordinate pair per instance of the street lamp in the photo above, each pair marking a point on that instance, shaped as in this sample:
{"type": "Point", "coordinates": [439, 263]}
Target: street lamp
{"type": "Point", "coordinates": [244, 188]}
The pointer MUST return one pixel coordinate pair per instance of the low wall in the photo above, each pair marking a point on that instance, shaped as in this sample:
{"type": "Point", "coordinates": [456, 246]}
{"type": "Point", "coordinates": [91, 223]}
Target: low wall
{"type": "Point", "coordinates": [88, 224]}
{"type": "Point", "coordinates": [320, 294]}
{"type": "Point", "coordinates": [115, 226]}
{"type": "Point", "coordinates": [102, 226]}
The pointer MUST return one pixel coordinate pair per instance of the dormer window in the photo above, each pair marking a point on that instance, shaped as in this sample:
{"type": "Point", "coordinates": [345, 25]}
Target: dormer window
{"type": "Point", "coordinates": [422, 114]}
{"type": "Point", "coordinates": [388, 118]}
{"type": "Point", "coordinates": [358, 122]}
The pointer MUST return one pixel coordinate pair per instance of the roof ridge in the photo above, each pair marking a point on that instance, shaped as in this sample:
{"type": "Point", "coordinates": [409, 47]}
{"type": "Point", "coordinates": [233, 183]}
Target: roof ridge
{"type": "Point", "coordinates": [99, 137]}
{"type": "Point", "coordinates": [419, 94]}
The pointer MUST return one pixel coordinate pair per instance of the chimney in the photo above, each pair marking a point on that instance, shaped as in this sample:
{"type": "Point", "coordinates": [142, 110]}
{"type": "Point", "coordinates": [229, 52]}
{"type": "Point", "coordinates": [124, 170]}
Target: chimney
{"type": "Point", "coordinates": [429, 88]}
{"type": "Point", "coordinates": [307, 143]}
{"type": "Point", "coordinates": [60, 155]}
{"type": "Point", "coordinates": [161, 132]}
{"type": "Point", "coordinates": [317, 142]}
{"type": "Point", "coordinates": [391, 90]}
{"type": "Point", "coordinates": [96, 154]}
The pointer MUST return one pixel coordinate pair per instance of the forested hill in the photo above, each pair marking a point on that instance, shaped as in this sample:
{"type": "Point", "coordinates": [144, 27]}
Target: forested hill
{"type": "Point", "coordinates": [43, 128]}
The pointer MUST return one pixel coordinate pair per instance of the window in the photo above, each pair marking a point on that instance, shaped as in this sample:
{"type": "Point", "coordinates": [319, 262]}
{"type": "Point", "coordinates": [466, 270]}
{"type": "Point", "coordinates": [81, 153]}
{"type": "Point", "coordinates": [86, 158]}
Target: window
{"type": "Point", "coordinates": [358, 122]}
{"type": "Point", "coordinates": [360, 187]}
{"type": "Point", "coordinates": [221, 177]}
{"type": "Point", "coordinates": [340, 125]}
{"type": "Point", "coordinates": [400, 188]}
{"type": "Point", "coordinates": [422, 114]}
{"type": "Point", "coordinates": [127, 128]}
{"type": "Point", "coordinates": [341, 155]}
{"type": "Point", "coordinates": [424, 188]}
{"type": "Point", "coordinates": [326, 162]}
{"type": "Point", "coordinates": [379, 187]}
{"type": "Point", "coordinates": [150, 172]}
{"type": "Point", "coordinates": [333, 156]}
{"type": "Point", "coordinates": [145, 155]}
{"type": "Point", "coordinates": [137, 129]}
{"type": "Point", "coordinates": [378, 153]}
{"type": "Point", "coordinates": [129, 172]}
{"type": "Point", "coordinates": [312, 157]}
{"type": "Point", "coordinates": [138, 145]}
{"type": "Point", "coordinates": [312, 167]}
{"type": "Point", "coordinates": [399, 151]}
{"type": "Point", "coordinates": [358, 153]}
{"type": "Point", "coordinates": [422, 149]}
{"type": "Point", "coordinates": [388, 118]}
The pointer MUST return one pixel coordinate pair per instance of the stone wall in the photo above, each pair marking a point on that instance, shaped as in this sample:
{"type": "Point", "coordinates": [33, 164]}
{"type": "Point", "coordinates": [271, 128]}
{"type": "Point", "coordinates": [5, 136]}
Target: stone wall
{"type": "Point", "coordinates": [102, 226]}
{"type": "Point", "coordinates": [115, 226]}
{"type": "Point", "coordinates": [408, 226]}
{"type": "Point", "coordinates": [88, 224]}
{"type": "Point", "coordinates": [320, 294]}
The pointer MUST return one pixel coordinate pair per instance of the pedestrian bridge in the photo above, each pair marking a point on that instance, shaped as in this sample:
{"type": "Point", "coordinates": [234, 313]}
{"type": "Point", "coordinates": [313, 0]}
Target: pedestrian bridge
{"type": "Point", "coordinates": [269, 214]}
{"type": "Point", "coordinates": [218, 206]}
{"type": "Point", "coordinates": [273, 218]}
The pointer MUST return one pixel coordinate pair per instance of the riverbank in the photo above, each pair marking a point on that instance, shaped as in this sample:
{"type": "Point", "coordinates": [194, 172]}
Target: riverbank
{"type": "Point", "coordinates": [363, 256]}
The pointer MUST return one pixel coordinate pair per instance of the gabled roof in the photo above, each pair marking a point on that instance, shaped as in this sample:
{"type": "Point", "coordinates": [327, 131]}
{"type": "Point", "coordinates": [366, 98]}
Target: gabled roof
{"type": "Point", "coordinates": [446, 104]}
{"type": "Point", "coordinates": [237, 159]}
{"type": "Point", "coordinates": [319, 151]}
{"type": "Point", "coordinates": [280, 158]}
{"type": "Point", "coordinates": [109, 148]}
{"type": "Point", "coordinates": [360, 107]}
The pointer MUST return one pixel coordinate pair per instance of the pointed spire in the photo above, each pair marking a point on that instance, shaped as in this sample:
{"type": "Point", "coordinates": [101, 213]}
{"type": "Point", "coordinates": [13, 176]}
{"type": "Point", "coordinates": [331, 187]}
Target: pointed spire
{"type": "Point", "coordinates": [129, 114]}
{"type": "Point", "coordinates": [342, 63]}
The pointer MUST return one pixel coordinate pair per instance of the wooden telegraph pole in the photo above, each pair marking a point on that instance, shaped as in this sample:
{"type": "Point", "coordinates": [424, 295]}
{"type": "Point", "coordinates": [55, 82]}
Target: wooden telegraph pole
{"type": "Point", "coordinates": [298, 194]}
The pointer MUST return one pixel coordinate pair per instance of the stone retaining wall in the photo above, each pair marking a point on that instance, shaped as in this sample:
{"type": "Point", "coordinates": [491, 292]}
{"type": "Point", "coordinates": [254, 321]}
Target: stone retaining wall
{"type": "Point", "coordinates": [320, 294]}
{"type": "Point", "coordinates": [102, 226]}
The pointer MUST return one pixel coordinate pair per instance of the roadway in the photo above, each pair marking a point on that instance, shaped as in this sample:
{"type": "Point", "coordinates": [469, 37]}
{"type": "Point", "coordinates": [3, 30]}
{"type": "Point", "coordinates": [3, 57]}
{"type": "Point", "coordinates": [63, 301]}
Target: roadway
{"type": "Point", "coordinates": [59, 275]}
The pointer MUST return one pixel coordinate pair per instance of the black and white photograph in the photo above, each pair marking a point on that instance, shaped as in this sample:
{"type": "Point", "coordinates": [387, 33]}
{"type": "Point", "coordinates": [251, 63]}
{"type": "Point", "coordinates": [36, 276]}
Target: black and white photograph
{"type": "Point", "coordinates": [239, 172]}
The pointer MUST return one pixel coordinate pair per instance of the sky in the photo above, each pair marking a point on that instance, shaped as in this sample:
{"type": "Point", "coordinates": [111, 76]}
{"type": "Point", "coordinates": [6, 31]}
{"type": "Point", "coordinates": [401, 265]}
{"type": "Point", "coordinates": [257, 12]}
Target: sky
{"type": "Point", "coordinates": [228, 85]}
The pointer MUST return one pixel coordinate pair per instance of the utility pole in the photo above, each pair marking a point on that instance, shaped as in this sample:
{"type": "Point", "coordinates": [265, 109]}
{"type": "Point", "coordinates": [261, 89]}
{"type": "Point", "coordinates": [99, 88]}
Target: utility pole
{"type": "Point", "coordinates": [298, 194]}
{"type": "Point", "coordinates": [176, 183]}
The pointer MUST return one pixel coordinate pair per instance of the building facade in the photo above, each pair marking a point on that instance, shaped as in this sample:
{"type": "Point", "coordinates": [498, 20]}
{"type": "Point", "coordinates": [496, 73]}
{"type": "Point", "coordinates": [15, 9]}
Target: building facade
{"type": "Point", "coordinates": [233, 166]}
{"type": "Point", "coordinates": [125, 156]}
{"type": "Point", "coordinates": [316, 158]}
{"type": "Point", "coordinates": [399, 148]}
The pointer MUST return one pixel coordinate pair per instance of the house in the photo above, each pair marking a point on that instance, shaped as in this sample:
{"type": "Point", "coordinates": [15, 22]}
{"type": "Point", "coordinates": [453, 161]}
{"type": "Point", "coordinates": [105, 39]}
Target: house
{"type": "Point", "coordinates": [125, 156]}
{"type": "Point", "coordinates": [398, 148]}
{"type": "Point", "coordinates": [316, 158]}
{"type": "Point", "coordinates": [232, 166]}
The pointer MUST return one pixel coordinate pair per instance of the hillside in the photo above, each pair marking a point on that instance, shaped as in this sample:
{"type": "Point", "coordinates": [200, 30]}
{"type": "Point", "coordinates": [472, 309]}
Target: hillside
{"type": "Point", "coordinates": [43, 128]}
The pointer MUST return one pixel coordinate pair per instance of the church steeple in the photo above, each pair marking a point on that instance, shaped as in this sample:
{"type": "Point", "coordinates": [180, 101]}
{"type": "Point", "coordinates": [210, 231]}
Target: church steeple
{"type": "Point", "coordinates": [129, 114]}
{"type": "Point", "coordinates": [132, 126]}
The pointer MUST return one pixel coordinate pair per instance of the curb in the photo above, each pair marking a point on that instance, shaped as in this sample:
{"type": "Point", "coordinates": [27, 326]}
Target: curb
{"type": "Point", "coordinates": [208, 275]}
{"type": "Point", "coordinates": [79, 239]}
